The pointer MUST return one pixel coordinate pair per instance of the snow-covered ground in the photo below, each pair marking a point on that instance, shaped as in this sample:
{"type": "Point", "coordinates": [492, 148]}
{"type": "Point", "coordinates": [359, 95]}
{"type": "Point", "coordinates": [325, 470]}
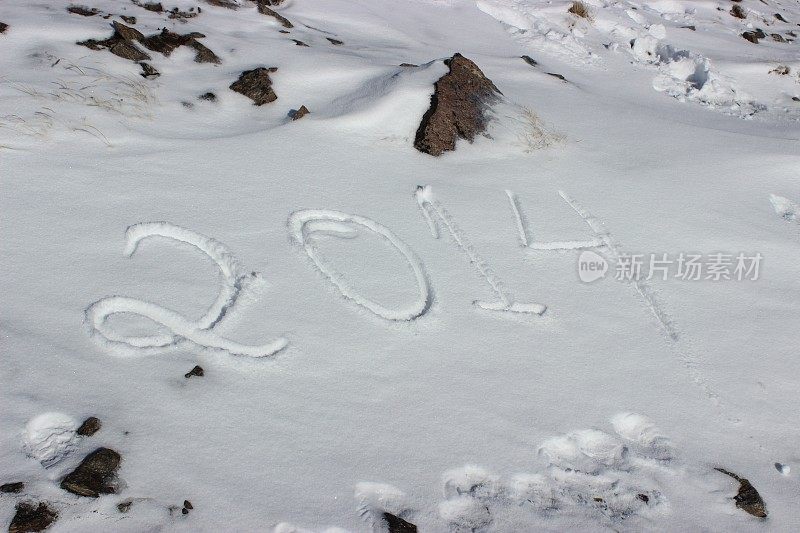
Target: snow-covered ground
{"type": "Point", "coordinates": [382, 330]}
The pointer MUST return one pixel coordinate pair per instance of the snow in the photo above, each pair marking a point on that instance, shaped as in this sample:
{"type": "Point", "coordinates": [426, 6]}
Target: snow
{"type": "Point", "coordinates": [382, 330]}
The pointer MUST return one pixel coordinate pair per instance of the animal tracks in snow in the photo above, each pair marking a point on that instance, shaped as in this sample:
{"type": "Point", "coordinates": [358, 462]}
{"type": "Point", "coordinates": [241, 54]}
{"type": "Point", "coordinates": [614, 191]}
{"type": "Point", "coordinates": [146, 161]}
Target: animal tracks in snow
{"type": "Point", "coordinates": [609, 478]}
{"type": "Point", "coordinates": [182, 330]}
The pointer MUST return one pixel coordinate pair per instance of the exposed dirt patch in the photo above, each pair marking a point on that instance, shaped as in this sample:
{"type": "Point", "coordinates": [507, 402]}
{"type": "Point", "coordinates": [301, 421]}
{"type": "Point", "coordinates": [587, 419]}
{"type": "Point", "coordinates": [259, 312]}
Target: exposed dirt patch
{"type": "Point", "coordinates": [128, 19]}
{"type": "Point", "coordinates": [31, 517]}
{"type": "Point", "coordinates": [256, 85]}
{"type": "Point", "coordinates": [91, 478]}
{"type": "Point", "coordinates": [458, 107]}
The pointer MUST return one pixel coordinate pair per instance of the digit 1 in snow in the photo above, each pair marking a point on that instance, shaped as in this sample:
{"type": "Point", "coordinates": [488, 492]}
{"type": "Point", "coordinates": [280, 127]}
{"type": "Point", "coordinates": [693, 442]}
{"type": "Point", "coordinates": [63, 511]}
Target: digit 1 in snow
{"type": "Point", "coordinates": [432, 210]}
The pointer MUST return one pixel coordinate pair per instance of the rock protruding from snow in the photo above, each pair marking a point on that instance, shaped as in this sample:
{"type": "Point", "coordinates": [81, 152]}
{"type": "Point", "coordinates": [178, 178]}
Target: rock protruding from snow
{"type": "Point", "coordinates": [123, 44]}
{"type": "Point", "coordinates": [31, 517]}
{"type": "Point", "coordinates": [264, 10]}
{"type": "Point", "coordinates": [91, 477]}
{"type": "Point", "coordinates": [12, 488]}
{"type": "Point", "coordinates": [89, 427]}
{"type": "Point", "coordinates": [747, 497]}
{"type": "Point", "coordinates": [458, 107]}
{"type": "Point", "coordinates": [256, 85]}
{"type": "Point", "coordinates": [196, 371]}
{"type": "Point", "coordinates": [395, 524]}
{"type": "Point", "coordinates": [299, 113]}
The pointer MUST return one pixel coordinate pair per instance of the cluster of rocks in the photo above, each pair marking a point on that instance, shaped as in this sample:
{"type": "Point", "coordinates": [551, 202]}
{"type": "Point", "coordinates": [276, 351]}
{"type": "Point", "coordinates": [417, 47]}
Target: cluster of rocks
{"type": "Point", "coordinates": [91, 478]}
{"type": "Point", "coordinates": [125, 41]}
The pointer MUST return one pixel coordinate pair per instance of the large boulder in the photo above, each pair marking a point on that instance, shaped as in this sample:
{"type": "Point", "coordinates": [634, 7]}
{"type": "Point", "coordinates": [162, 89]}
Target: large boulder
{"type": "Point", "coordinates": [458, 107]}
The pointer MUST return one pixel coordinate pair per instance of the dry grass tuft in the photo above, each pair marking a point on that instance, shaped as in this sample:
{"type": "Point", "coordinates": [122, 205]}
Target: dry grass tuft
{"type": "Point", "coordinates": [580, 9]}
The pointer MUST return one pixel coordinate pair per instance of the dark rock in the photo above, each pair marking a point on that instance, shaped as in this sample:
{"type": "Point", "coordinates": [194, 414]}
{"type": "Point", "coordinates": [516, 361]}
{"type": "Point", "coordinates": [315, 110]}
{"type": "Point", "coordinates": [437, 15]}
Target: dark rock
{"type": "Point", "coordinates": [184, 511]}
{"type": "Point", "coordinates": [300, 43]}
{"type": "Point", "coordinates": [121, 43]}
{"type": "Point", "coordinates": [408, 65]}
{"type": "Point", "coordinates": [644, 497]}
{"type": "Point", "coordinates": [692, 27]}
{"type": "Point", "coordinates": [256, 85]}
{"type": "Point", "coordinates": [272, 2]}
{"type": "Point", "coordinates": [31, 517]}
{"type": "Point", "coordinates": [176, 13]}
{"type": "Point", "coordinates": [12, 488]}
{"type": "Point", "coordinates": [337, 42]}
{"type": "Point", "coordinates": [781, 70]}
{"type": "Point", "coordinates": [529, 60]}
{"type": "Point", "coordinates": [155, 7]}
{"type": "Point", "coordinates": [187, 504]}
{"type": "Point", "coordinates": [264, 10]}
{"type": "Point", "coordinates": [203, 54]}
{"type": "Point", "coordinates": [780, 17]}
{"type": "Point", "coordinates": [299, 113]}
{"type": "Point", "coordinates": [167, 41]}
{"type": "Point", "coordinates": [398, 525]}
{"type": "Point", "coordinates": [198, 370]}
{"type": "Point", "coordinates": [124, 507]}
{"type": "Point", "coordinates": [208, 97]}
{"type": "Point", "coordinates": [559, 76]}
{"type": "Point", "coordinates": [129, 20]}
{"type": "Point", "coordinates": [91, 477]}
{"type": "Point", "coordinates": [89, 427]}
{"type": "Point", "coordinates": [83, 11]}
{"type": "Point", "coordinates": [777, 37]}
{"type": "Point", "coordinates": [149, 71]}
{"type": "Point", "coordinates": [796, 98]}
{"type": "Point", "coordinates": [230, 4]}
{"type": "Point", "coordinates": [457, 108]}
{"type": "Point", "coordinates": [121, 31]}
{"type": "Point", "coordinates": [738, 12]}
{"type": "Point", "coordinates": [751, 36]}
{"type": "Point", "coordinates": [747, 498]}
{"type": "Point", "coordinates": [127, 50]}
{"type": "Point", "coordinates": [3, 27]}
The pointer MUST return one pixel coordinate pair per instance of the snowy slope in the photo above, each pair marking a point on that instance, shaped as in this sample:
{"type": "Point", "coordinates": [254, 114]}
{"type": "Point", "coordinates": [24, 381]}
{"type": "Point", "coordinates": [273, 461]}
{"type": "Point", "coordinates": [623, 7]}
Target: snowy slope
{"type": "Point", "coordinates": [343, 316]}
